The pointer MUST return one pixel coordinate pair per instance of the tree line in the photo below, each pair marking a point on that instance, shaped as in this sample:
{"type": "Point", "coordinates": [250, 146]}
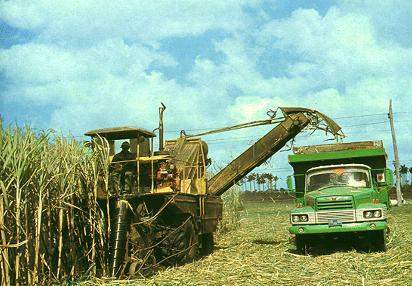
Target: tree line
{"type": "Point", "coordinates": [259, 182]}
{"type": "Point", "coordinates": [404, 171]}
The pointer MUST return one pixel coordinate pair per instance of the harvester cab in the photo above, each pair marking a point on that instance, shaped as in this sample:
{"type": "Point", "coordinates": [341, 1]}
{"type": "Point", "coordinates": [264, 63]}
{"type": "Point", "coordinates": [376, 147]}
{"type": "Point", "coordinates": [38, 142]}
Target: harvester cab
{"type": "Point", "coordinates": [124, 166]}
{"type": "Point", "coordinates": [180, 165]}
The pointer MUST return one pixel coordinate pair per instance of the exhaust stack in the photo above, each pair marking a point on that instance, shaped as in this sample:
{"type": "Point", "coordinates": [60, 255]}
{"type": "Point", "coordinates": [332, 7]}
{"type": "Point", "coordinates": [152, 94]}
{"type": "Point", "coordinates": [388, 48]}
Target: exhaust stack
{"type": "Point", "coordinates": [161, 131]}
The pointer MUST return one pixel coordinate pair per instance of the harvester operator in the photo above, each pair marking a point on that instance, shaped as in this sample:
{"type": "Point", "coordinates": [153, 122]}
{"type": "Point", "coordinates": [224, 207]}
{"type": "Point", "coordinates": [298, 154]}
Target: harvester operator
{"type": "Point", "coordinates": [125, 154]}
{"type": "Point", "coordinates": [125, 170]}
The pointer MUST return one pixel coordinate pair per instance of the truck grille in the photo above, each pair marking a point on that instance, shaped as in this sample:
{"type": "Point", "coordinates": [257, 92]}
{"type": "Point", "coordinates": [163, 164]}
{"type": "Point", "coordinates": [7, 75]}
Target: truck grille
{"type": "Point", "coordinates": [342, 216]}
{"type": "Point", "coordinates": [338, 203]}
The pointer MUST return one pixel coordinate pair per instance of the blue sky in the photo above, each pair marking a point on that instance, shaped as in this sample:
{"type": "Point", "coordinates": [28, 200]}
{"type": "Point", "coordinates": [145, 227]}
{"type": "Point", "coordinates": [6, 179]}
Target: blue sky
{"type": "Point", "coordinates": [78, 65]}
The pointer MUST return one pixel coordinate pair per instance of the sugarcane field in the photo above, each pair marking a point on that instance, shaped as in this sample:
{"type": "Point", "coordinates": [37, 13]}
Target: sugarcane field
{"type": "Point", "coordinates": [205, 143]}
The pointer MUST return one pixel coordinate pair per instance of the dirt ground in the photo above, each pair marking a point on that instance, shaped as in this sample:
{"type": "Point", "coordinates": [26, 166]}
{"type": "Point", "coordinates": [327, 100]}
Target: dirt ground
{"type": "Point", "coordinates": [259, 252]}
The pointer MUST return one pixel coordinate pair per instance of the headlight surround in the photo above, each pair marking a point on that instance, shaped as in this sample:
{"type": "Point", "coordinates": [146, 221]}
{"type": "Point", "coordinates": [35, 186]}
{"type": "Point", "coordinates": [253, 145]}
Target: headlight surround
{"type": "Point", "coordinates": [372, 214]}
{"type": "Point", "coordinates": [300, 218]}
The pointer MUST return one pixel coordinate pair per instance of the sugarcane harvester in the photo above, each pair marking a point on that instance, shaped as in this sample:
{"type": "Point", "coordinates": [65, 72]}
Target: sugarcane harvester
{"type": "Point", "coordinates": [160, 206]}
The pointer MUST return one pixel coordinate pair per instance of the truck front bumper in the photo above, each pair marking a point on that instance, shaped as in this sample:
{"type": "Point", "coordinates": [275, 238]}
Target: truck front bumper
{"type": "Point", "coordinates": [344, 227]}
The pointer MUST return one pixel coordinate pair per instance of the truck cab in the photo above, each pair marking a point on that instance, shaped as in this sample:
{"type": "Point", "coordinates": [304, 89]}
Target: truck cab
{"type": "Point", "coordinates": [340, 188]}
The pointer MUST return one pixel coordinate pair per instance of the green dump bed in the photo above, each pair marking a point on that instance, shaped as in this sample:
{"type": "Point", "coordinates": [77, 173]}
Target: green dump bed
{"type": "Point", "coordinates": [370, 153]}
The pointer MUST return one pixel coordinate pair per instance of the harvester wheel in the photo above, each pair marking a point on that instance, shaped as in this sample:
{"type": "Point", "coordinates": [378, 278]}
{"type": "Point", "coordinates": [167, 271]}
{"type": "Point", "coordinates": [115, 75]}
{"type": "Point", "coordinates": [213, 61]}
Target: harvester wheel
{"type": "Point", "coordinates": [207, 243]}
{"type": "Point", "coordinates": [177, 245]}
{"type": "Point", "coordinates": [302, 244]}
{"type": "Point", "coordinates": [193, 242]}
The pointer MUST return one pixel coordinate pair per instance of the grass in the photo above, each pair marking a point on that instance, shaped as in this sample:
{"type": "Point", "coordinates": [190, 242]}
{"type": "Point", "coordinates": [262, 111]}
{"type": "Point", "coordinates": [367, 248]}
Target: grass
{"type": "Point", "coordinates": [259, 253]}
{"type": "Point", "coordinates": [232, 209]}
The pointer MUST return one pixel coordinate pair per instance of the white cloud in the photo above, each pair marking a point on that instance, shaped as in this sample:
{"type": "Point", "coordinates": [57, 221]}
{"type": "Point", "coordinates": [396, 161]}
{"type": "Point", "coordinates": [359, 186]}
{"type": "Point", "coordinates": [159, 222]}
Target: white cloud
{"type": "Point", "coordinates": [42, 74]}
{"type": "Point", "coordinates": [248, 107]}
{"type": "Point", "coordinates": [90, 21]}
{"type": "Point", "coordinates": [91, 62]}
{"type": "Point", "coordinates": [339, 48]}
{"type": "Point", "coordinates": [391, 18]}
{"type": "Point", "coordinates": [90, 59]}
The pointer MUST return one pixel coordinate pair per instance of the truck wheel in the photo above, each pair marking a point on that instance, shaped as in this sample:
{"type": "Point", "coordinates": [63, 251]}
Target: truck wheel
{"type": "Point", "coordinates": [377, 241]}
{"type": "Point", "coordinates": [302, 244]}
{"type": "Point", "coordinates": [207, 243]}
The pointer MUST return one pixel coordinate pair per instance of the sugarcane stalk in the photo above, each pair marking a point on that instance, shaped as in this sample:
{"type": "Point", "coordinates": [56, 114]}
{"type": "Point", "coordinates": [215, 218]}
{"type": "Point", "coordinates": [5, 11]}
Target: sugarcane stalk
{"type": "Point", "coordinates": [4, 251]}
{"type": "Point", "coordinates": [17, 259]}
{"type": "Point", "coordinates": [27, 249]}
{"type": "Point", "coordinates": [37, 236]}
{"type": "Point", "coordinates": [60, 243]}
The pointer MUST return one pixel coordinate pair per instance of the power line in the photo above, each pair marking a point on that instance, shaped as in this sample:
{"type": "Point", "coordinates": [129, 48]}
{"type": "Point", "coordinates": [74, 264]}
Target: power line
{"type": "Point", "coordinates": [369, 115]}
{"type": "Point", "coordinates": [364, 124]}
{"type": "Point", "coordinates": [342, 117]}
{"type": "Point", "coordinates": [249, 138]}
{"type": "Point", "coordinates": [358, 116]}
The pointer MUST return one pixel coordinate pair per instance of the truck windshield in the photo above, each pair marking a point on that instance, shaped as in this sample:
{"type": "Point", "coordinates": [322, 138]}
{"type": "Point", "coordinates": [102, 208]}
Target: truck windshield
{"type": "Point", "coordinates": [351, 177]}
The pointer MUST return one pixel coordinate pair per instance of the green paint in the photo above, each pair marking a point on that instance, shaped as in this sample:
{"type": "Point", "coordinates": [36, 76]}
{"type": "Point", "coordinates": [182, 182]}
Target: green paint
{"type": "Point", "coordinates": [297, 158]}
{"type": "Point", "coordinates": [346, 227]}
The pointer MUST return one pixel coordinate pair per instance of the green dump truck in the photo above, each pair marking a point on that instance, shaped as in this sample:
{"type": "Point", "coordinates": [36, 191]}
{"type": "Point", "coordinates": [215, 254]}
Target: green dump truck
{"type": "Point", "coordinates": [341, 189]}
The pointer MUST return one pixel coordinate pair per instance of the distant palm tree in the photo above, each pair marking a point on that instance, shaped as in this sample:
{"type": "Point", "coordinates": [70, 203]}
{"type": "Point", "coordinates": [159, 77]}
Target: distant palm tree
{"type": "Point", "coordinates": [251, 179]}
{"type": "Point", "coordinates": [275, 179]}
{"type": "Point", "coordinates": [410, 171]}
{"type": "Point", "coordinates": [266, 181]}
{"type": "Point", "coordinates": [260, 179]}
{"type": "Point", "coordinates": [269, 178]}
{"type": "Point", "coordinates": [404, 171]}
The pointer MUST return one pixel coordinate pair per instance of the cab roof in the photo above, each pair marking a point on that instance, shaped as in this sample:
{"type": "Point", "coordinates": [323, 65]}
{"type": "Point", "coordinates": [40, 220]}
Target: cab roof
{"type": "Point", "coordinates": [119, 133]}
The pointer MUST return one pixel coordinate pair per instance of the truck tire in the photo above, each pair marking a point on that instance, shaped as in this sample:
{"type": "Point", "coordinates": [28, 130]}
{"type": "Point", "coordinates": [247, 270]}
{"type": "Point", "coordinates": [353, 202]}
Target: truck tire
{"type": "Point", "coordinates": [377, 240]}
{"type": "Point", "coordinates": [302, 244]}
{"type": "Point", "coordinates": [207, 243]}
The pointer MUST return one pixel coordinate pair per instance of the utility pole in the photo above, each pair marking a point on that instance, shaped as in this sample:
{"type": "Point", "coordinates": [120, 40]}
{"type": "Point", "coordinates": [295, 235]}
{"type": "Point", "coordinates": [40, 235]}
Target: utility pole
{"type": "Point", "coordinates": [395, 151]}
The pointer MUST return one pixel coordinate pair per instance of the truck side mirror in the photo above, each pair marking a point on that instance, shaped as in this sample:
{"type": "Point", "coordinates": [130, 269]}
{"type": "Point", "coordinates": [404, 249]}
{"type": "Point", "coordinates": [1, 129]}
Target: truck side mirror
{"type": "Point", "coordinates": [290, 183]}
{"type": "Point", "coordinates": [389, 177]}
{"type": "Point", "coordinates": [385, 178]}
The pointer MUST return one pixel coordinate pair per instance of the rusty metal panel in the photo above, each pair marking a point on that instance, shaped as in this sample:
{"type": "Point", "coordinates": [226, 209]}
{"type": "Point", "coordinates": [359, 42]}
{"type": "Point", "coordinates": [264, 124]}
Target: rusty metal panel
{"type": "Point", "coordinates": [119, 133]}
{"type": "Point", "coordinates": [210, 212]}
{"type": "Point", "coordinates": [189, 156]}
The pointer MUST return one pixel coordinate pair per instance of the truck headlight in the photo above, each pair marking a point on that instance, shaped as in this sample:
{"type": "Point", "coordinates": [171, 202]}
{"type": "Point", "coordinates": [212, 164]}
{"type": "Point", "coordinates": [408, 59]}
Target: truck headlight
{"type": "Point", "coordinates": [303, 218]}
{"type": "Point", "coordinates": [377, 213]}
{"type": "Point", "coordinates": [368, 214]}
{"type": "Point", "coordinates": [295, 218]}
